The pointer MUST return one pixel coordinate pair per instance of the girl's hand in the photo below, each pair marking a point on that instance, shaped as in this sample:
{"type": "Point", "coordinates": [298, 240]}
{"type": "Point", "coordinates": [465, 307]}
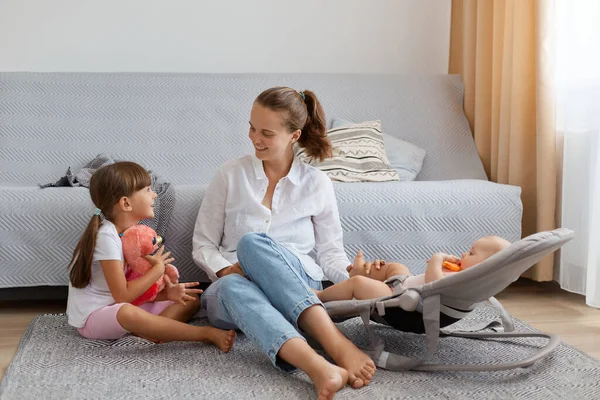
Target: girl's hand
{"type": "Point", "coordinates": [160, 259]}
{"type": "Point", "coordinates": [179, 292]}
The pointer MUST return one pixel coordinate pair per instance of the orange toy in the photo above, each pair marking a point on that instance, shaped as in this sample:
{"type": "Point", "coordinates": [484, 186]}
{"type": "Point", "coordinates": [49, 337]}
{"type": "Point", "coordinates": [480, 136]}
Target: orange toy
{"type": "Point", "coordinates": [451, 266]}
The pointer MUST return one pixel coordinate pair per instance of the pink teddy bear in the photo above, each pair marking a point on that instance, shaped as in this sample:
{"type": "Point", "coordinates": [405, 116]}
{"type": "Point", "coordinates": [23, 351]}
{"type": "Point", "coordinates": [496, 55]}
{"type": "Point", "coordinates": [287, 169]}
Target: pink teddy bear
{"type": "Point", "coordinates": [140, 240]}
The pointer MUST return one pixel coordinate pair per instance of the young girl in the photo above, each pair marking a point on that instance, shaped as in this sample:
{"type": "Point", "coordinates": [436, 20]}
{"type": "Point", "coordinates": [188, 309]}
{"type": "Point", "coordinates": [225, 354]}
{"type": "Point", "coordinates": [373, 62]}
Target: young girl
{"type": "Point", "coordinates": [99, 295]}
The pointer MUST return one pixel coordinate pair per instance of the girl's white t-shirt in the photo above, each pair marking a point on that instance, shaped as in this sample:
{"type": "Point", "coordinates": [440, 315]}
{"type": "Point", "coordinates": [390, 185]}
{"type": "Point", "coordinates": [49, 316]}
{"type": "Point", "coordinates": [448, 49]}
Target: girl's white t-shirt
{"type": "Point", "coordinates": [82, 302]}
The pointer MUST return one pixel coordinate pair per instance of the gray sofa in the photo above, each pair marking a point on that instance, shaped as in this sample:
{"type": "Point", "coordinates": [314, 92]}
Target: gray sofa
{"type": "Point", "coordinates": [183, 127]}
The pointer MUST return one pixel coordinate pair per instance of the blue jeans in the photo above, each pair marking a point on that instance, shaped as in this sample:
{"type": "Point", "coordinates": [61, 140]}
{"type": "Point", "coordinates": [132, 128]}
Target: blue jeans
{"type": "Point", "coordinates": [266, 306]}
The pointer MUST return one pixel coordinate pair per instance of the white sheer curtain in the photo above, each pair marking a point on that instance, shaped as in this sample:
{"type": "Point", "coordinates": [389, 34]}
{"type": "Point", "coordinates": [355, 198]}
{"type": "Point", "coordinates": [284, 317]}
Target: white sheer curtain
{"type": "Point", "coordinates": [578, 120]}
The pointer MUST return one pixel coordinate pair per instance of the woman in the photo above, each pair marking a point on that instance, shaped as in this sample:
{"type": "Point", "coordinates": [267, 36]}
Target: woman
{"type": "Point", "coordinates": [263, 280]}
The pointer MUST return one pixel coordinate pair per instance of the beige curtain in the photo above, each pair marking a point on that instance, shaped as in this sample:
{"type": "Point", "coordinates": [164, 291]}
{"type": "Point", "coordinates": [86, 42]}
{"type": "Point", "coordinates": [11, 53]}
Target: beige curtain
{"type": "Point", "coordinates": [503, 50]}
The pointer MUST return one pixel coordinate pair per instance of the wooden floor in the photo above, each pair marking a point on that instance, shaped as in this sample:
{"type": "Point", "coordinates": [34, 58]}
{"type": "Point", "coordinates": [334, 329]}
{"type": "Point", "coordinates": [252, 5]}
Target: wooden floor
{"type": "Point", "coordinates": [543, 306]}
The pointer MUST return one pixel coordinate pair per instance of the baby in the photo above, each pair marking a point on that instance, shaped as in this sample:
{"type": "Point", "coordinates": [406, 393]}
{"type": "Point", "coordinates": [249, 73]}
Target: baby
{"type": "Point", "coordinates": [370, 285]}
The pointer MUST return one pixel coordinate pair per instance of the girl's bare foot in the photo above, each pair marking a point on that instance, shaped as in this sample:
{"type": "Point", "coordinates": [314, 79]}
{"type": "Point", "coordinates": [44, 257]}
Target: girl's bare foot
{"type": "Point", "coordinates": [222, 339]}
{"type": "Point", "coordinates": [150, 339]}
{"type": "Point", "coordinates": [328, 378]}
{"type": "Point", "coordinates": [359, 365]}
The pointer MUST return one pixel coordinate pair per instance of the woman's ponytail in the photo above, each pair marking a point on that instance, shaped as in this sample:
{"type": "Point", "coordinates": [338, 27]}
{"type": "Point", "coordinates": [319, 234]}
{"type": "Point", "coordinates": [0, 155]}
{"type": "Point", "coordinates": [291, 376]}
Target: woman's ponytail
{"type": "Point", "coordinates": [314, 133]}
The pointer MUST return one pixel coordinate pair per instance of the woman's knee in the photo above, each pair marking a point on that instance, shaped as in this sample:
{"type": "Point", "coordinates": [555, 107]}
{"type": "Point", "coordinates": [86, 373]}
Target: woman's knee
{"type": "Point", "coordinates": [254, 250]}
{"type": "Point", "coordinates": [222, 296]}
{"type": "Point", "coordinates": [231, 285]}
{"type": "Point", "coordinates": [248, 242]}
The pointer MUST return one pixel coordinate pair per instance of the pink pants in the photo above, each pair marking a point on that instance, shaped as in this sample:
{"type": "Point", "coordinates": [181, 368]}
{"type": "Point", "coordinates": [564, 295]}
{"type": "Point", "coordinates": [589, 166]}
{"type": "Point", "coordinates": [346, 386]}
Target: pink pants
{"type": "Point", "coordinates": [102, 324]}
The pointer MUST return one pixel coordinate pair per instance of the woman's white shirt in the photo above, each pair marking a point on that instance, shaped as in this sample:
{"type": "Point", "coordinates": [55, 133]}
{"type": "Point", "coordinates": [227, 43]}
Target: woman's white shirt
{"type": "Point", "coordinates": [303, 216]}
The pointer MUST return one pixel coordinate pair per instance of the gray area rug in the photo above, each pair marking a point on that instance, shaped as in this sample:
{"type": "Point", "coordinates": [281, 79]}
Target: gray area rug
{"type": "Point", "coordinates": [54, 362]}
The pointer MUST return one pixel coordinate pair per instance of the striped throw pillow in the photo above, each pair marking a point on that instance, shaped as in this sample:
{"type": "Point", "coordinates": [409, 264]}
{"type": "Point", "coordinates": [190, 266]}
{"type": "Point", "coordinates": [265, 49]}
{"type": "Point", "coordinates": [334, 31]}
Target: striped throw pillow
{"type": "Point", "coordinates": [358, 155]}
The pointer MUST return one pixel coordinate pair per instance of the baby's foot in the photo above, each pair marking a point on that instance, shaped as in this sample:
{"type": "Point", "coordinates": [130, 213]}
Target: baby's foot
{"type": "Point", "coordinates": [222, 339]}
{"type": "Point", "coordinates": [328, 378]}
{"type": "Point", "coordinates": [359, 365]}
{"type": "Point", "coordinates": [359, 260]}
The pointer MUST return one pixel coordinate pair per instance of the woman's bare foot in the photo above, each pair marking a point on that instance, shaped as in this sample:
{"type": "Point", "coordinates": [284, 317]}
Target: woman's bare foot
{"type": "Point", "coordinates": [328, 378]}
{"type": "Point", "coordinates": [359, 365]}
{"type": "Point", "coordinates": [316, 322]}
{"type": "Point", "coordinates": [222, 339]}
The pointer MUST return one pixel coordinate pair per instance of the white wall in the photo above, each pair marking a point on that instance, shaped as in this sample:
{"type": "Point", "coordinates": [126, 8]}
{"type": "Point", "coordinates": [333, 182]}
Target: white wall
{"type": "Point", "coordinates": [376, 36]}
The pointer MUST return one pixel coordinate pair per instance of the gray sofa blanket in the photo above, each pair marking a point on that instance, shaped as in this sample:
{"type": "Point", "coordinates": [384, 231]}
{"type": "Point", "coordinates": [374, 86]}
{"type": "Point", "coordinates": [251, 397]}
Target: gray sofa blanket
{"type": "Point", "coordinates": [184, 126]}
{"type": "Point", "coordinates": [406, 222]}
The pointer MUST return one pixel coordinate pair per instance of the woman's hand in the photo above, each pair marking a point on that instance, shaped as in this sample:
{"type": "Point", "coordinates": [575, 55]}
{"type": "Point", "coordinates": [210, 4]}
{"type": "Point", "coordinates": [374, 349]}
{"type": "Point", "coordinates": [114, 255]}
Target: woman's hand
{"type": "Point", "coordinates": [159, 259]}
{"type": "Point", "coordinates": [179, 292]}
{"type": "Point", "coordinates": [232, 269]}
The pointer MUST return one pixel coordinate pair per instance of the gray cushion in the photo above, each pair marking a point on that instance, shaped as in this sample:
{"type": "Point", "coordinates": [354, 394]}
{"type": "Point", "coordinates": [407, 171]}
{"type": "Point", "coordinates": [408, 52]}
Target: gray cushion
{"type": "Point", "coordinates": [404, 157]}
{"type": "Point", "coordinates": [401, 221]}
{"type": "Point", "coordinates": [358, 154]}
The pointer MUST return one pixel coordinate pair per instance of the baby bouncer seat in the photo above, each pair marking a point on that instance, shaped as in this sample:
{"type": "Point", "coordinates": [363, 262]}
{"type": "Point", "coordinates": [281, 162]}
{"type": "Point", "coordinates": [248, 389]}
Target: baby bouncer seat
{"type": "Point", "coordinates": [434, 306]}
